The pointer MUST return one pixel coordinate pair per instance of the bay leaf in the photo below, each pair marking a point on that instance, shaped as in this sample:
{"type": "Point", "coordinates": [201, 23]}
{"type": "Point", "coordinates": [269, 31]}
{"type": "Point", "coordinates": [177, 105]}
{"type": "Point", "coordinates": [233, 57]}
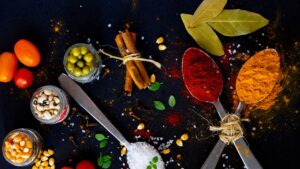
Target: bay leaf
{"type": "Point", "coordinates": [236, 22]}
{"type": "Point", "coordinates": [206, 11]}
{"type": "Point", "coordinates": [204, 35]}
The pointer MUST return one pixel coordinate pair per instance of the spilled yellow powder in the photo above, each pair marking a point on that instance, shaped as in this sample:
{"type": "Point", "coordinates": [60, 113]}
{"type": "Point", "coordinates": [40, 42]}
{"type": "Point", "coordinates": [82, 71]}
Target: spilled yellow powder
{"type": "Point", "coordinates": [258, 76]}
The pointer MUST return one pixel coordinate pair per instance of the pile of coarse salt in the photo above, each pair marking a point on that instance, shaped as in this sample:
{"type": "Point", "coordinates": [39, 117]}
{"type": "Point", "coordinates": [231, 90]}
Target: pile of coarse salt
{"type": "Point", "coordinates": [140, 154]}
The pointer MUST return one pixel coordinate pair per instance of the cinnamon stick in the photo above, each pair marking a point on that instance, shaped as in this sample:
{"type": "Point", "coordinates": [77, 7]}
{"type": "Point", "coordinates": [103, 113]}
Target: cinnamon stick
{"type": "Point", "coordinates": [128, 80]}
{"type": "Point", "coordinates": [130, 66]}
{"type": "Point", "coordinates": [132, 49]}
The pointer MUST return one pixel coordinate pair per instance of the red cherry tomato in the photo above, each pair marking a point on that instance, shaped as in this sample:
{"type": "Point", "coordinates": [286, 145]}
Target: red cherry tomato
{"type": "Point", "coordinates": [66, 168]}
{"type": "Point", "coordinates": [85, 164]}
{"type": "Point", "coordinates": [23, 78]}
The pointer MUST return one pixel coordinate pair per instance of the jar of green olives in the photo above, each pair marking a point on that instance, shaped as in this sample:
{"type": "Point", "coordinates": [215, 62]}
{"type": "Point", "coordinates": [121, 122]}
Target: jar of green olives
{"type": "Point", "coordinates": [82, 62]}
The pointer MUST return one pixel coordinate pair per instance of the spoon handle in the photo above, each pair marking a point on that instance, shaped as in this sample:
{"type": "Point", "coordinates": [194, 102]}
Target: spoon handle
{"type": "Point", "coordinates": [85, 102]}
{"type": "Point", "coordinates": [220, 109]}
{"type": "Point", "coordinates": [246, 155]}
{"type": "Point", "coordinates": [214, 156]}
{"type": "Point", "coordinates": [240, 108]}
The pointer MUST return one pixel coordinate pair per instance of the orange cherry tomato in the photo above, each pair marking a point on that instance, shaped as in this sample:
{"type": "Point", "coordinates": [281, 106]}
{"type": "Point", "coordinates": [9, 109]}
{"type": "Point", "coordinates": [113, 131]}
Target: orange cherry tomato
{"type": "Point", "coordinates": [27, 53]}
{"type": "Point", "coordinates": [8, 66]}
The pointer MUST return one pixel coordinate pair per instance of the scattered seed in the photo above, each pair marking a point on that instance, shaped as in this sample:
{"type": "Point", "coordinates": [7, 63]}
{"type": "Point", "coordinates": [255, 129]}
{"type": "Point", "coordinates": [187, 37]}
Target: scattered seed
{"type": "Point", "coordinates": [123, 151]}
{"type": "Point", "coordinates": [162, 47]}
{"type": "Point", "coordinates": [152, 78]}
{"type": "Point", "coordinates": [179, 142]}
{"type": "Point", "coordinates": [184, 137]}
{"type": "Point", "coordinates": [160, 40]}
{"type": "Point", "coordinates": [166, 151]}
{"type": "Point", "coordinates": [141, 126]}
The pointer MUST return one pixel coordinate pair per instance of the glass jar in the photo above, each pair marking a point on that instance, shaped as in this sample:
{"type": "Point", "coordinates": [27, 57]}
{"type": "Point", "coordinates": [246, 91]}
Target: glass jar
{"type": "Point", "coordinates": [95, 64]}
{"type": "Point", "coordinates": [50, 108]}
{"type": "Point", "coordinates": [31, 142]}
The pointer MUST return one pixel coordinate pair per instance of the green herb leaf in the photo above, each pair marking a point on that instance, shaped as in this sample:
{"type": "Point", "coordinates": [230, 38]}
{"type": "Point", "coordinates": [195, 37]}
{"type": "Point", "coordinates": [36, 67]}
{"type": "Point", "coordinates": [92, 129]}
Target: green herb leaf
{"type": "Point", "coordinates": [154, 86]}
{"type": "Point", "coordinates": [206, 11]}
{"type": "Point", "coordinates": [100, 137]}
{"type": "Point", "coordinates": [159, 105]}
{"type": "Point", "coordinates": [149, 167]}
{"type": "Point", "coordinates": [236, 22]}
{"type": "Point", "coordinates": [103, 143]}
{"type": "Point", "coordinates": [204, 35]}
{"type": "Point", "coordinates": [155, 159]}
{"type": "Point", "coordinates": [106, 158]}
{"type": "Point", "coordinates": [154, 166]}
{"type": "Point", "coordinates": [106, 164]}
{"type": "Point", "coordinates": [100, 160]}
{"type": "Point", "coordinates": [172, 101]}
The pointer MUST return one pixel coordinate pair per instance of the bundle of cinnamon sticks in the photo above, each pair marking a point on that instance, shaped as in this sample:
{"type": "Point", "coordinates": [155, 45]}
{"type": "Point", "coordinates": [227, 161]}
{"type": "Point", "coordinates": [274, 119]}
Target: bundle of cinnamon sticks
{"type": "Point", "coordinates": [135, 70]}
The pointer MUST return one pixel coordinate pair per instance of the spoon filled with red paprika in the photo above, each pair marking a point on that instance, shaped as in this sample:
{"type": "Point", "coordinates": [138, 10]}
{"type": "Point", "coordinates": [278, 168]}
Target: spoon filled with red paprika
{"type": "Point", "coordinates": [203, 79]}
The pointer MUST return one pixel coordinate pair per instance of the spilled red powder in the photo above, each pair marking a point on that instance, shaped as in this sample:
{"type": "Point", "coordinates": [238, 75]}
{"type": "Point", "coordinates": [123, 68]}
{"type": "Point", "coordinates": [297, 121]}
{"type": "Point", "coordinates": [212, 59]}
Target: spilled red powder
{"type": "Point", "coordinates": [145, 134]}
{"type": "Point", "coordinates": [173, 119]}
{"type": "Point", "coordinates": [173, 72]}
{"type": "Point", "coordinates": [206, 106]}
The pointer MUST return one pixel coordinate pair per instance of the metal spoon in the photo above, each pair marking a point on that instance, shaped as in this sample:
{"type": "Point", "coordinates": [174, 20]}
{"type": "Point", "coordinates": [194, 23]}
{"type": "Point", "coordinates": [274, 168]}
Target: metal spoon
{"type": "Point", "coordinates": [241, 146]}
{"type": "Point", "coordinates": [85, 102]}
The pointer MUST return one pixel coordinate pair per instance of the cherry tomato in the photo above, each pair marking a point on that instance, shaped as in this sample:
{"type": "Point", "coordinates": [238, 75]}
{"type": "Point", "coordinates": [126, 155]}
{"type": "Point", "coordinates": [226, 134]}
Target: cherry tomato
{"type": "Point", "coordinates": [27, 53]}
{"type": "Point", "coordinates": [23, 78]}
{"type": "Point", "coordinates": [85, 164]}
{"type": "Point", "coordinates": [8, 66]}
{"type": "Point", "coordinates": [66, 168]}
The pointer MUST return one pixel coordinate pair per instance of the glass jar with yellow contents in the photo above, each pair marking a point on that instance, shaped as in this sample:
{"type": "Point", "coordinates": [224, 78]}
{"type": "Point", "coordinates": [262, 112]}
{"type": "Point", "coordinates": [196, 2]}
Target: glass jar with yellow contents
{"type": "Point", "coordinates": [21, 147]}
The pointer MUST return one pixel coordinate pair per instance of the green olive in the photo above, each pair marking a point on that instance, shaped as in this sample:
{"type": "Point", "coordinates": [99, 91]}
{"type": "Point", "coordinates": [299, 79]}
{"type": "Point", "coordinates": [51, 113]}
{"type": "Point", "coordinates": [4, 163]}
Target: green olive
{"type": "Point", "coordinates": [88, 57]}
{"type": "Point", "coordinates": [72, 59]}
{"type": "Point", "coordinates": [75, 51]}
{"type": "Point", "coordinates": [85, 70]}
{"type": "Point", "coordinates": [79, 56]}
{"type": "Point", "coordinates": [70, 67]}
{"type": "Point", "coordinates": [83, 50]}
{"type": "Point", "coordinates": [77, 71]}
{"type": "Point", "coordinates": [90, 64]}
{"type": "Point", "coordinates": [80, 64]}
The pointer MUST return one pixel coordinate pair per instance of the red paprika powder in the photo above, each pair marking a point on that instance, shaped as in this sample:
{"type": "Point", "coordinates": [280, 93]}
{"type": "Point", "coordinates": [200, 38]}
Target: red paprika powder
{"type": "Point", "coordinates": [201, 75]}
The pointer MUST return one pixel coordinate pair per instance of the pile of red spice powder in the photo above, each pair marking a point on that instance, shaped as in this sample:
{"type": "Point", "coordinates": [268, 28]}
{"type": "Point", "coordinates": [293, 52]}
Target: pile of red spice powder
{"type": "Point", "coordinates": [201, 75]}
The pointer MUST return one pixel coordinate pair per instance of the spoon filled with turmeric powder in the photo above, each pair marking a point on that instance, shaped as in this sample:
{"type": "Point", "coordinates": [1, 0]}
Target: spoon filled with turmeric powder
{"type": "Point", "coordinates": [257, 78]}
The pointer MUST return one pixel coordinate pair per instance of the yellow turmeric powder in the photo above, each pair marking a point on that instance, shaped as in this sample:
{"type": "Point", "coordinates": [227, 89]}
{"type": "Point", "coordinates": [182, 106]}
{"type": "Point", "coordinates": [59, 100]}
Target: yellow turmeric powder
{"type": "Point", "coordinates": [258, 76]}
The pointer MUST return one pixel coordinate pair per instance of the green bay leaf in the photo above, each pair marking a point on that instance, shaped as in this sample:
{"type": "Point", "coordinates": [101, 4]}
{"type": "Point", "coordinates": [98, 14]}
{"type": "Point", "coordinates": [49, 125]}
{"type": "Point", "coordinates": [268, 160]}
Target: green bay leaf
{"type": "Point", "coordinates": [159, 105]}
{"type": "Point", "coordinates": [236, 22]}
{"type": "Point", "coordinates": [206, 11]}
{"type": "Point", "coordinates": [172, 101]}
{"type": "Point", "coordinates": [204, 35]}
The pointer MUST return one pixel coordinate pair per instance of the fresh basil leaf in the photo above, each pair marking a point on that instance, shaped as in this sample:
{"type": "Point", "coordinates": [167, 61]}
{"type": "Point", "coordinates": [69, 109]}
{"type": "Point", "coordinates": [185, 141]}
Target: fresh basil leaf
{"type": "Point", "coordinates": [100, 160]}
{"type": "Point", "coordinates": [106, 158]}
{"type": "Point", "coordinates": [106, 164]}
{"type": "Point", "coordinates": [149, 167]}
{"type": "Point", "coordinates": [159, 105]}
{"type": "Point", "coordinates": [103, 143]}
{"type": "Point", "coordinates": [154, 86]}
{"type": "Point", "coordinates": [172, 101]}
{"type": "Point", "coordinates": [154, 166]}
{"type": "Point", "coordinates": [155, 159]}
{"type": "Point", "coordinates": [206, 11]}
{"type": "Point", "coordinates": [100, 137]}
{"type": "Point", "coordinates": [236, 22]}
{"type": "Point", "coordinates": [204, 35]}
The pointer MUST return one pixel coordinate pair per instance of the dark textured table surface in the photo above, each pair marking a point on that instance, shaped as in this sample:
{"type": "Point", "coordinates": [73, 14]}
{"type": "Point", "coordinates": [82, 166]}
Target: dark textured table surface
{"type": "Point", "coordinates": [273, 136]}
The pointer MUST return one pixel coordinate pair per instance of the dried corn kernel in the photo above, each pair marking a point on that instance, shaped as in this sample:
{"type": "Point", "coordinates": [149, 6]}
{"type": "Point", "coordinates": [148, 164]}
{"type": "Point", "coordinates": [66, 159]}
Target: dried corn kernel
{"type": "Point", "coordinates": [162, 47]}
{"type": "Point", "coordinates": [41, 167]}
{"type": "Point", "coordinates": [44, 158]}
{"type": "Point", "coordinates": [51, 161]}
{"type": "Point", "coordinates": [45, 163]}
{"type": "Point", "coordinates": [52, 167]}
{"type": "Point", "coordinates": [141, 126]}
{"type": "Point", "coordinates": [51, 152]}
{"type": "Point", "coordinates": [152, 78]}
{"type": "Point", "coordinates": [35, 167]}
{"type": "Point", "coordinates": [123, 151]}
{"type": "Point", "coordinates": [160, 40]}
{"type": "Point", "coordinates": [184, 137]}
{"type": "Point", "coordinates": [46, 153]}
{"type": "Point", "coordinates": [166, 151]}
{"type": "Point", "coordinates": [179, 142]}
{"type": "Point", "coordinates": [38, 163]}
{"type": "Point", "coordinates": [22, 143]}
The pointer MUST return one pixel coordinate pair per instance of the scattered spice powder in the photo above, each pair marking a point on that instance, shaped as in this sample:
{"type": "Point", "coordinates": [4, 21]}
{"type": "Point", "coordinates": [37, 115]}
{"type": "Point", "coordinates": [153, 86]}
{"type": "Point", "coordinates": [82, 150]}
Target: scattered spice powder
{"type": "Point", "coordinates": [173, 119]}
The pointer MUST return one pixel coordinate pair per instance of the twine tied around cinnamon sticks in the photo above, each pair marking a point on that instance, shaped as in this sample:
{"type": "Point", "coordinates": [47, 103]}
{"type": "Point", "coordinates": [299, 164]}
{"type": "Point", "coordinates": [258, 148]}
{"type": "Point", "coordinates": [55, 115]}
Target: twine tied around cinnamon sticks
{"type": "Point", "coordinates": [130, 57]}
{"type": "Point", "coordinates": [230, 128]}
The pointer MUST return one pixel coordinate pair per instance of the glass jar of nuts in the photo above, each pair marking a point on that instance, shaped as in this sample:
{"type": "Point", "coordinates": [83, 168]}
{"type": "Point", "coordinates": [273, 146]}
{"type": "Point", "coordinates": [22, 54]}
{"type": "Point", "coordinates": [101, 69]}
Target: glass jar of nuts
{"type": "Point", "coordinates": [82, 62]}
{"type": "Point", "coordinates": [50, 104]}
{"type": "Point", "coordinates": [21, 147]}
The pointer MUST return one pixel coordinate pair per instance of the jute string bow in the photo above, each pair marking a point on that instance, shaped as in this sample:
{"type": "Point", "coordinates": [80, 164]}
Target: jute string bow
{"type": "Point", "coordinates": [134, 56]}
{"type": "Point", "coordinates": [230, 128]}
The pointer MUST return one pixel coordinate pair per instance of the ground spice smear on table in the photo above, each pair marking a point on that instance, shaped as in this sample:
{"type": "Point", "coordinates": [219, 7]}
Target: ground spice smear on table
{"type": "Point", "coordinates": [201, 75]}
{"type": "Point", "coordinates": [258, 76]}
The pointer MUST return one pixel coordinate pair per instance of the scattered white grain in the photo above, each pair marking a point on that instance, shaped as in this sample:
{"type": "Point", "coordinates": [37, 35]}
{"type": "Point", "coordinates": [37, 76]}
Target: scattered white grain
{"type": "Point", "coordinates": [109, 25]}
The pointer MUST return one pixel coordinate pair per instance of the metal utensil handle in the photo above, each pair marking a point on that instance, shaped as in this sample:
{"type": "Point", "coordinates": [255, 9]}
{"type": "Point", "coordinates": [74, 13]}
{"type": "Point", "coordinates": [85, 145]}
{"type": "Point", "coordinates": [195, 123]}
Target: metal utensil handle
{"type": "Point", "coordinates": [214, 156]}
{"type": "Point", "coordinates": [246, 155]}
{"type": "Point", "coordinates": [85, 102]}
{"type": "Point", "coordinates": [240, 108]}
{"type": "Point", "coordinates": [220, 109]}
